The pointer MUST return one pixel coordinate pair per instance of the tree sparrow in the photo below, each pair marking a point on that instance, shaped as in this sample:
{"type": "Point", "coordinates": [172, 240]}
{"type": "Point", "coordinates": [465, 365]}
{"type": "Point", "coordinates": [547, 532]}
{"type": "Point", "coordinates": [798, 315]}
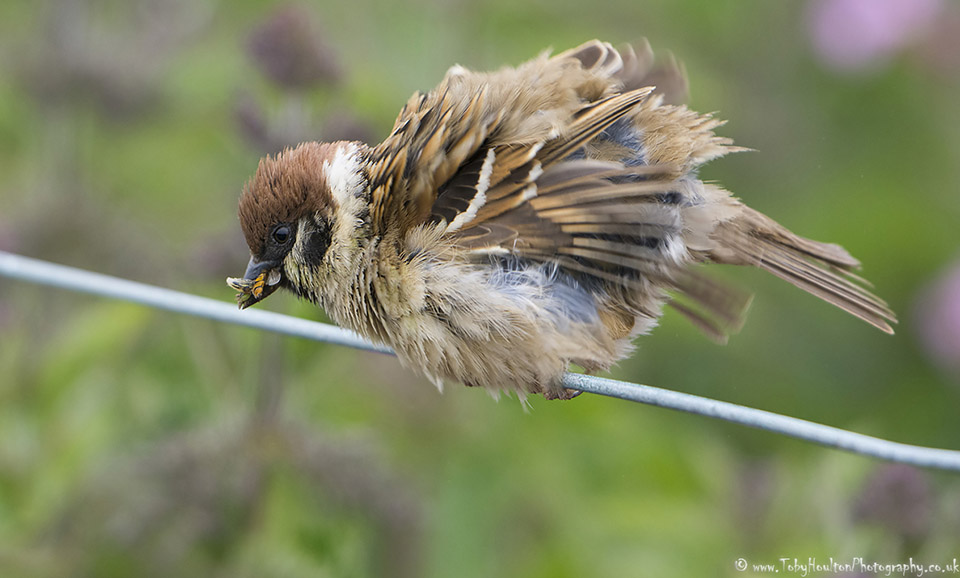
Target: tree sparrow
{"type": "Point", "coordinates": [518, 221]}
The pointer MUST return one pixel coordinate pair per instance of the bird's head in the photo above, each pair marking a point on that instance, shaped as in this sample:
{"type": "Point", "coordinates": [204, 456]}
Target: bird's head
{"type": "Point", "coordinates": [298, 213]}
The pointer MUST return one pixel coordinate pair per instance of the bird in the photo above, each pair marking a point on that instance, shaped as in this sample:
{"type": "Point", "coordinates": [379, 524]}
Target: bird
{"type": "Point", "coordinates": [516, 222]}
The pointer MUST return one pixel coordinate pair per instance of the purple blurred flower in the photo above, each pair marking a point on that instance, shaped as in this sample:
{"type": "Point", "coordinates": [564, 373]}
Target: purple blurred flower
{"type": "Point", "coordinates": [854, 35]}
{"type": "Point", "coordinates": [289, 49]}
{"type": "Point", "coordinates": [938, 309]}
{"type": "Point", "coordinates": [899, 498]}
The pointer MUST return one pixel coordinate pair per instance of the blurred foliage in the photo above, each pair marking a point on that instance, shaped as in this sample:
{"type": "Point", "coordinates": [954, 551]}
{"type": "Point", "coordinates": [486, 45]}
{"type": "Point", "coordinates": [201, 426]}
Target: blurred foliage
{"type": "Point", "coordinates": [134, 442]}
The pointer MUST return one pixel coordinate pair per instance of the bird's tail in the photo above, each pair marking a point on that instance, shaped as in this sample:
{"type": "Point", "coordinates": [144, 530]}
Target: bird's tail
{"type": "Point", "coordinates": [821, 269]}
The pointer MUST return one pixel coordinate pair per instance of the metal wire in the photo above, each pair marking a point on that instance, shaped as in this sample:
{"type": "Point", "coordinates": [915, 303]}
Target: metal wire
{"type": "Point", "coordinates": [45, 273]}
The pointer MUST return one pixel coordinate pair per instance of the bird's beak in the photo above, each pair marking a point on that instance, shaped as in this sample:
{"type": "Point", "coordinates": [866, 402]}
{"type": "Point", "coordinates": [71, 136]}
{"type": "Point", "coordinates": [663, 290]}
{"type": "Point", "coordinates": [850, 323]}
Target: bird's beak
{"type": "Point", "coordinates": [260, 280]}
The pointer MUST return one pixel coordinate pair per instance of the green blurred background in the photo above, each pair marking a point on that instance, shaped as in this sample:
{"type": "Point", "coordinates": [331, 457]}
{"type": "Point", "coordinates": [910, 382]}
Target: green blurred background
{"type": "Point", "coordinates": [140, 443]}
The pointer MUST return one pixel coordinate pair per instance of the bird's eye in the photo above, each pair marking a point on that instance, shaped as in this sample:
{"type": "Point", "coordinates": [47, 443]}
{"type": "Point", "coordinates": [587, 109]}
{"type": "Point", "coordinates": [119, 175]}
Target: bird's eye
{"type": "Point", "coordinates": [281, 234]}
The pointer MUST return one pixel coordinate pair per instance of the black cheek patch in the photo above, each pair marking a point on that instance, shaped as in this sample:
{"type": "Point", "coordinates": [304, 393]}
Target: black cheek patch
{"type": "Point", "coordinates": [317, 242]}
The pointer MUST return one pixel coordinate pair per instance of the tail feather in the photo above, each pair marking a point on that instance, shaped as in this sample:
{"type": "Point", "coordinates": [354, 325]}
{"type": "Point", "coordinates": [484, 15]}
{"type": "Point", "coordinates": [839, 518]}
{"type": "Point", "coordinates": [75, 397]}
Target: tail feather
{"type": "Point", "coordinates": [821, 269]}
{"type": "Point", "coordinates": [716, 308]}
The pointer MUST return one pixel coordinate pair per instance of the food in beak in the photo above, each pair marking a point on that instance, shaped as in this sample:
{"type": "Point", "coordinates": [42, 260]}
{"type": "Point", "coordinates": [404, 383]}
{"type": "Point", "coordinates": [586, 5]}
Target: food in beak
{"type": "Point", "coordinates": [253, 290]}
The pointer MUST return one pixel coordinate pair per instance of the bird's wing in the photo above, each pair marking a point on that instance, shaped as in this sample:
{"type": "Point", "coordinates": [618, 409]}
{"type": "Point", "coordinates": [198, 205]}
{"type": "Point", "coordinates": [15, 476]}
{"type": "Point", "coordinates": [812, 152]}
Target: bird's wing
{"type": "Point", "coordinates": [433, 137]}
{"type": "Point", "coordinates": [634, 66]}
{"type": "Point", "coordinates": [441, 138]}
{"type": "Point", "coordinates": [538, 199]}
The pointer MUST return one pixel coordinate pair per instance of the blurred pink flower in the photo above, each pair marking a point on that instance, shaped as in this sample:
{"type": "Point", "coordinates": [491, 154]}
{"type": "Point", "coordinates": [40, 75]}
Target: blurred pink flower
{"type": "Point", "coordinates": [938, 309]}
{"type": "Point", "coordinates": [855, 35]}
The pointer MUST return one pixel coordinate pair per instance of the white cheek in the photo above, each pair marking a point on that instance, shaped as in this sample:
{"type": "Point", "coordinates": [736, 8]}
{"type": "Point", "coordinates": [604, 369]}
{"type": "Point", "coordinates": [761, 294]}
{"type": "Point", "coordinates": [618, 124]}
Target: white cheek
{"type": "Point", "coordinates": [299, 242]}
{"type": "Point", "coordinates": [291, 267]}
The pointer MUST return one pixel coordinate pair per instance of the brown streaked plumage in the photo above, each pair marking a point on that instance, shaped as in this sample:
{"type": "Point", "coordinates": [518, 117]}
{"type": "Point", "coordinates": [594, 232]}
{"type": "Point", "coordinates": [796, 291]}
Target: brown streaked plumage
{"type": "Point", "coordinates": [518, 221]}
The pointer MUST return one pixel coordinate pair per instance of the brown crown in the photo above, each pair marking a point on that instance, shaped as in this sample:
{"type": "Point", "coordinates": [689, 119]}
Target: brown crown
{"type": "Point", "coordinates": [285, 188]}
